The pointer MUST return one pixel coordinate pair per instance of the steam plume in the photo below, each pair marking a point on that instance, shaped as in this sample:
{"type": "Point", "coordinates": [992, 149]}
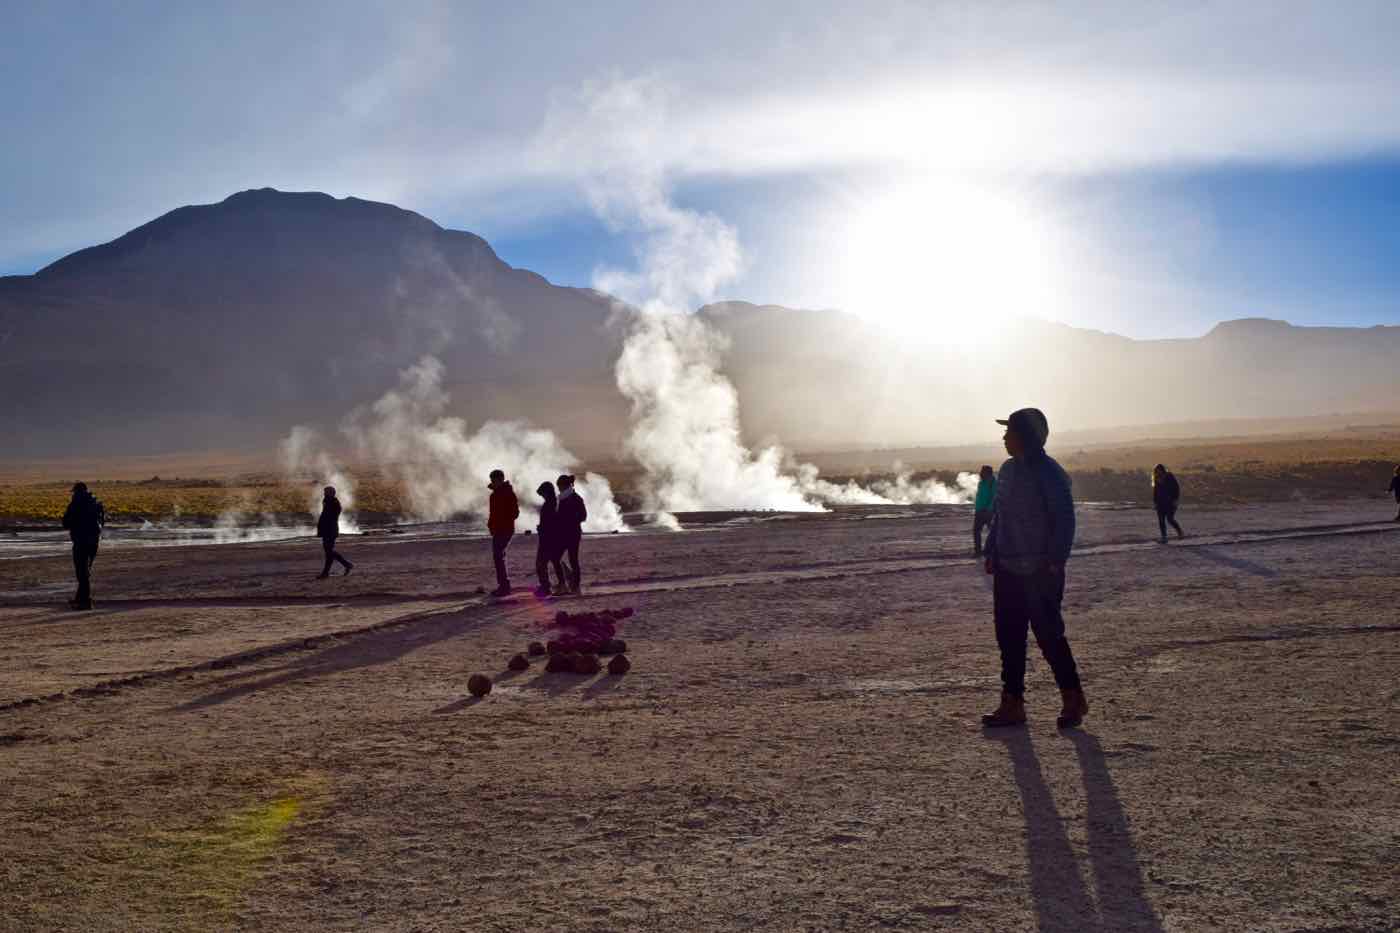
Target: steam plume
{"type": "Point", "coordinates": [443, 468]}
{"type": "Point", "coordinates": [685, 430]}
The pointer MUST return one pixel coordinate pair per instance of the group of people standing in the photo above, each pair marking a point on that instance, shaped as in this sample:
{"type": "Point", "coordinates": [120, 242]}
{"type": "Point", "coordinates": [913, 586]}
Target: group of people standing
{"type": "Point", "coordinates": [559, 534]}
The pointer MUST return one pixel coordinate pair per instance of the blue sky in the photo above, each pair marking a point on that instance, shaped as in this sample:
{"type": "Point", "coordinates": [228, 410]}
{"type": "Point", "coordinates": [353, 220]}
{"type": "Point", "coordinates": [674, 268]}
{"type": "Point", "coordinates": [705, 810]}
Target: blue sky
{"type": "Point", "coordinates": [1145, 169]}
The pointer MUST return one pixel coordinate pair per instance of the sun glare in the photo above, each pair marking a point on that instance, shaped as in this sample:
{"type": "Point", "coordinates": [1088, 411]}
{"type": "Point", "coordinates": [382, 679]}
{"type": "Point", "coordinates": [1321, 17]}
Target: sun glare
{"type": "Point", "coordinates": [948, 261]}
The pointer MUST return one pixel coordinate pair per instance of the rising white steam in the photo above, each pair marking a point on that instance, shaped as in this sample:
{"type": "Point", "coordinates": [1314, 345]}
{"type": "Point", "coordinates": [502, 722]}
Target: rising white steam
{"type": "Point", "coordinates": [685, 430]}
{"type": "Point", "coordinates": [305, 460]}
{"type": "Point", "coordinates": [443, 468]}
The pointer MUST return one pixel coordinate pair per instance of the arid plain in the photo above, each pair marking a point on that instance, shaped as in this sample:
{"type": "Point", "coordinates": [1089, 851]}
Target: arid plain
{"type": "Point", "coordinates": [228, 743]}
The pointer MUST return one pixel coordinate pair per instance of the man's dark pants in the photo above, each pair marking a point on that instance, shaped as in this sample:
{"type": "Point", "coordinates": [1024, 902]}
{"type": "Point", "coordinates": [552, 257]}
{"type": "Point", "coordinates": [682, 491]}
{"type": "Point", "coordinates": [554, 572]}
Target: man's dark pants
{"type": "Point", "coordinates": [1031, 602]}
{"type": "Point", "coordinates": [499, 543]}
{"type": "Point", "coordinates": [84, 553]}
{"type": "Point", "coordinates": [980, 519]}
{"type": "Point", "coordinates": [332, 555]}
{"type": "Point", "coordinates": [571, 546]}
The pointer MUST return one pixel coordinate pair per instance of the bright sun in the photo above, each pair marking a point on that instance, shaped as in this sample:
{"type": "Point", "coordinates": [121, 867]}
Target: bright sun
{"type": "Point", "coordinates": [948, 260]}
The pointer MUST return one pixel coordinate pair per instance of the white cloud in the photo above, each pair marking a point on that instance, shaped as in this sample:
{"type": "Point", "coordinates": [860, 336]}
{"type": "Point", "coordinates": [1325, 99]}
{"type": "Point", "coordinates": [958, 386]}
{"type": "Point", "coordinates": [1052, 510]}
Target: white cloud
{"type": "Point", "coordinates": [437, 106]}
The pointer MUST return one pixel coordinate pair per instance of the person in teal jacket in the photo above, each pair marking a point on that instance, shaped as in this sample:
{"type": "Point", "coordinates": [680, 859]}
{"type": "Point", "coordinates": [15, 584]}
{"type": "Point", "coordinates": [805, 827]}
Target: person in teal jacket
{"type": "Point", "coordinates": [983, 506]}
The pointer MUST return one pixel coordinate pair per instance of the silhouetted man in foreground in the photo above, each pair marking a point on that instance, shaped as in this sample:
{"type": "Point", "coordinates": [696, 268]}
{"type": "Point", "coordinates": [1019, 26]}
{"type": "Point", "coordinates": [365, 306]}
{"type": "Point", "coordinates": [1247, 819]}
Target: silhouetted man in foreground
{"type": "Point", "coordinates": [328, 529]}
{"type": "Point", "coordinates": [1032, 531]}
{"type": "Point", "coordinates": [84, 519]}
{"type": "Point", "coordinates": [505, 509]}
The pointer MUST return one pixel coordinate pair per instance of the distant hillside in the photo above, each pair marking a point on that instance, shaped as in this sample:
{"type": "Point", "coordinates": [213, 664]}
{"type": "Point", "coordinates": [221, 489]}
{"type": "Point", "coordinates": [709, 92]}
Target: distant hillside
{"type": "Point", "coordinates": [822, 378]}
{"type": "Point", "coordinates": [222, 325]}
{"type": "Point", "coordinates": [219, 326]}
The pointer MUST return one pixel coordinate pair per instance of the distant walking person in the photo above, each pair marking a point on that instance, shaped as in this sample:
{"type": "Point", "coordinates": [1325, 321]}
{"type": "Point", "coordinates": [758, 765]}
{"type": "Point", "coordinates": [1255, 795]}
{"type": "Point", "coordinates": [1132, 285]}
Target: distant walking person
{"type": "Point", "coordinates": [547, 549]}
{"type": "Point", "coordinates": [572, 514]}
{"type": "Point", "coordinates": [328, 529]}
{"type": "Point", "coordinates": [1032, 531]}
{"type": "Point", "coordinates": [505, 509]}
{"type": "Point", "coordinates": [982, 506]}
{"type": "Point", "coordinates": [84, 519]}
{"type": "Point", "coordinates": [1166, 493]}
{"type": "Point", "coordinates": [1395, 488]}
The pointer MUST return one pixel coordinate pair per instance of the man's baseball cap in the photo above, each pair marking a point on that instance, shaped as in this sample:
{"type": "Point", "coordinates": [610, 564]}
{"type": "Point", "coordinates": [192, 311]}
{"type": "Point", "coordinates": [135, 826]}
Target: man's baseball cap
{"type": "Point", "coordinates": [1030, 423]}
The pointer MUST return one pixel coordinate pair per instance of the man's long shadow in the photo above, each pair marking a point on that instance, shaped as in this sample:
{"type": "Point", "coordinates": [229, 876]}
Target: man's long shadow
{"type": "Point", "coordinates": [1062, 901]}
{"type": "Point", "coordinates": [367, 650]}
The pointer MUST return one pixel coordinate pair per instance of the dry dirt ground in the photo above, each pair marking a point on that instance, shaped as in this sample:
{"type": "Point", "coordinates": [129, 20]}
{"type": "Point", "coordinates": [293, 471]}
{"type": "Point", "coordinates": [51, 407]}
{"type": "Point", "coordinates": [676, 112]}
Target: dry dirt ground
{"type": "Point", "coordinates": [228, 743]}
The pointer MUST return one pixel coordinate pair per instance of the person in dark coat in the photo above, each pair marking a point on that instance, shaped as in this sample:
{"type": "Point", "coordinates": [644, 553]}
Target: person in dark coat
{"type": "Point", "coordinates": [547, 549]}
{"type": "Point", "coordinates": [572, 514]}
{"type": "Point", "coordinates": [84, 519]}
{"type": "Point", "coordinates": [1030, 540]}
{"type": "Point", "coordinates": [504, 510]}
{"type": "Point", "coordinates": [1166, 493]}
{"type": "Point", "coordinates": [1395, 488]}
{"type": "Point", "coordinates": [328, 529]}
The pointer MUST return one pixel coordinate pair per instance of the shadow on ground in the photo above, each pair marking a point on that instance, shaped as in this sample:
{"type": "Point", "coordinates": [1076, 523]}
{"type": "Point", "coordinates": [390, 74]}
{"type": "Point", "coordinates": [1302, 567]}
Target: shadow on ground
{"type": "Point", "coordinates": [1063, 902]}
{"type": "Point", "coordinates": [362, 651]}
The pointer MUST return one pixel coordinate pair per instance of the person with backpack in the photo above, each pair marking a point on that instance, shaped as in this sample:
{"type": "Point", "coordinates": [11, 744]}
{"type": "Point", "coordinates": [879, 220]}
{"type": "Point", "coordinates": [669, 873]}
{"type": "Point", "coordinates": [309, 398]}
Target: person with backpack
{"type": "Point", "coordinates": [500, 522]}
{"type": "Point", "coordinates": [84, 519]}
{"type": "Point", "coordinates": [547, 549]}
{"type": "Point", "coordinates": [328, 529]}
{"type": "Point", "coordinates": [1166, 493]}
{"type": "Point", "coordinates": [1395, 488]}
{"type": "Point", "coordinates": [572, 514]}
{"type": "Point", "coordinates": [1029, 543]}
{"type": "Point", "coordinates": [982, 506]}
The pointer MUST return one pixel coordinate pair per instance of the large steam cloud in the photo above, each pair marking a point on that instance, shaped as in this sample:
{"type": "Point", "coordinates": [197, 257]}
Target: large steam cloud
{"type": "Point", "coordinates": [685, 430]}
{"type": "Point", "coordinates": [443, 467]}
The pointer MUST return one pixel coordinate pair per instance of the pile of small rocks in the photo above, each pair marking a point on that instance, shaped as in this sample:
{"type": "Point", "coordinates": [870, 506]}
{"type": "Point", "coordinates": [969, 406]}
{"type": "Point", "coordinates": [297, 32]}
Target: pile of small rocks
{"type": "Point", "coordinates": [584, 638]}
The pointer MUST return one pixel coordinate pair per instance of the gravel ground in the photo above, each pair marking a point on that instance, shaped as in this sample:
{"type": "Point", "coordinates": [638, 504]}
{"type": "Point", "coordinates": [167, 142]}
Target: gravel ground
{"type": "Point", "coordinates": [227, 743]}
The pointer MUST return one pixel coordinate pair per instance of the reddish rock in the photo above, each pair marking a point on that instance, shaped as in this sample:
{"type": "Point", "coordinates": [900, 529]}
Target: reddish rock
{"type": "Point", "coordinates": [535, 649]}
{"type": "Point", "coordinates": [619, 665]}
{"type": "Point", "coordinates": [559, 664]}
{"type": "Point", "coordinates": [626, 613]}
{"type": "Point", "coordinates": [561, 618]}
{"type": "Point", "coordinates": [587, 664]}
{"type": "Point", "coordinates": [518, 663]}
{"type": "Point", "coordinates": [478, 685]}
{"type": "Point", "coordinates": [554, 647]}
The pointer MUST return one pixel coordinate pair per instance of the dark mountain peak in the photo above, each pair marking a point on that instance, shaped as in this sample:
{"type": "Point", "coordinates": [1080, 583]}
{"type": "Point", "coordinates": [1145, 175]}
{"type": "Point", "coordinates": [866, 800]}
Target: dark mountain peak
{"type": "Point", "coordinates": [265, 196]}
{"type": "Point", "coordinates": [254, 217]}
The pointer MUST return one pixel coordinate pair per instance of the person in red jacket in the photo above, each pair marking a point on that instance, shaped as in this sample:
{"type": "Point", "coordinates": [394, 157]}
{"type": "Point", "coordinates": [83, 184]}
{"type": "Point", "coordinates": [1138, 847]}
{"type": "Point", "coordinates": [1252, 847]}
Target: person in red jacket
{"type": "Point", "coordinates": [505, 509]}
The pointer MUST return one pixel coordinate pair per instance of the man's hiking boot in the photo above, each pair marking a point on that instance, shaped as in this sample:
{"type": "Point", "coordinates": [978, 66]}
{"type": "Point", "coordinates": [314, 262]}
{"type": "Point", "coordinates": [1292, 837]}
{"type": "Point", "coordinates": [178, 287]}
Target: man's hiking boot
{"type": "Point", "coordinates": [1011, 712]}
{"type": "Point", "coordinates": [1074, 709]}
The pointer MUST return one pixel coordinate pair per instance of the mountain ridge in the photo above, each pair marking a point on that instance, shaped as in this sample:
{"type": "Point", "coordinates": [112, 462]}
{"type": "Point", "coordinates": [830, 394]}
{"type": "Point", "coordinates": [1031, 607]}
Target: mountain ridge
{"type": "Point", "coordinates": [222, 325]}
